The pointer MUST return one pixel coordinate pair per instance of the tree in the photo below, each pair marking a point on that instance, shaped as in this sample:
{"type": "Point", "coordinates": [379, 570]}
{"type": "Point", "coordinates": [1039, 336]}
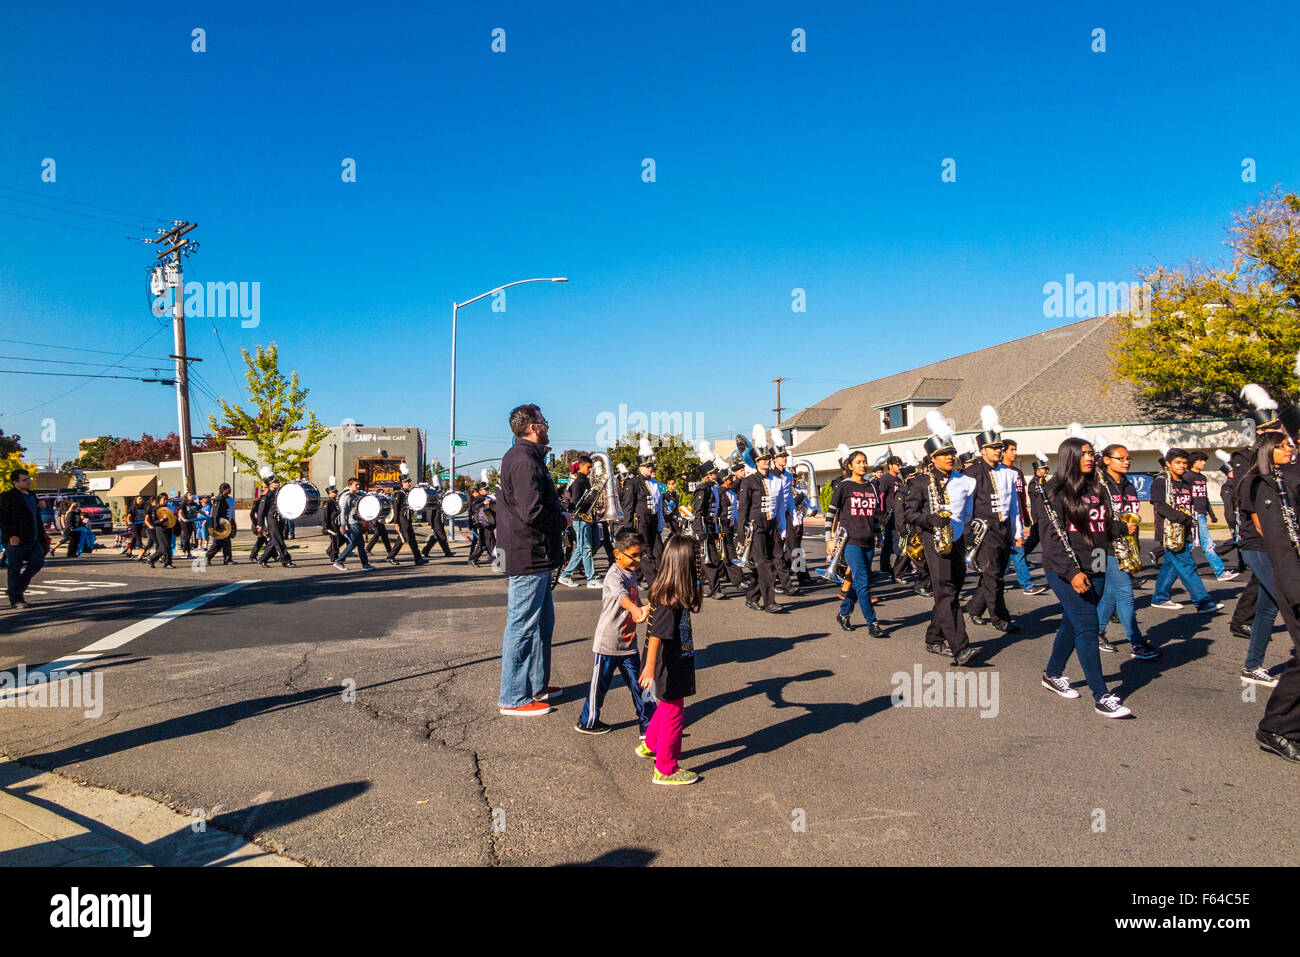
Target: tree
{"type": "Point", "coordinates": [92, 455]}
{"type": "Point", "coordinates": [279, 405]}
{"type": "Point", "coordinates": [145, 449]}
{"type": "Point", "coordinates": [10, 444]}
{"type": "Point", "coordinates": [217, 442]}
{"type": "Point", "coordinates": [674, 457]}
{"type": "Point", "coordinates": [10, 461]}
{"type": "Point", "coordinates": [1210, 329]}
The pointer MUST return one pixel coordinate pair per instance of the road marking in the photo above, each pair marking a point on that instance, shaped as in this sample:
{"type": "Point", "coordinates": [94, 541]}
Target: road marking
{"type": "Point", "coordinates": [71, 584]}
{"type": "Point", "coordinates": [131, 632]}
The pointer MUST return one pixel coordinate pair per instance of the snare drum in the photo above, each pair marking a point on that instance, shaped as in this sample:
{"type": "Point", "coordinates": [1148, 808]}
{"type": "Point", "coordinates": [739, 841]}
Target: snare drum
{"type": "Point", "coordinates": [298, 499]}
{"type": "Point", "coordinates": [453, 503]}
{"type": "Point", "coordinates": [421, 497]}
{"type": "Point", "coordinates": [376, 507]}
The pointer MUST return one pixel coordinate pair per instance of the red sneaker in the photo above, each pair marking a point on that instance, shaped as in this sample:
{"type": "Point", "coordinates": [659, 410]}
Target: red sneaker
{"type": "Point", "coordinates": [528, 710]}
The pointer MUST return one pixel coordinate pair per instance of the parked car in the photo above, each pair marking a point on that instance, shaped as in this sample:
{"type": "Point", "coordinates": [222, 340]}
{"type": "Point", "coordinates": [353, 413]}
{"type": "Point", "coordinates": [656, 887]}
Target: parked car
{"type": "Point", "coordinates": [94, 512]}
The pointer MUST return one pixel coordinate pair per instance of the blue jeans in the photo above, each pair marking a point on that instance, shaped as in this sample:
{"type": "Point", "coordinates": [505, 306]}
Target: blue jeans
{"type": "Point", "coordinates": [1078, 631]}
{"type": "Point", "coordinates": [601, 675]}
{"type": "Point", "coordinates": [1021, 565]}
{"type": "Point", "coordinates": [581, 551]}
{"type": "Point", "coordinates": [859, 561]}
{"type": "Point", "coordinates": [526, 643]}
{"type": "Point", "coordinates": [1118, 595]}
{"type": "Point", "coordinates": [24, 562]}
{"type": "Point", "coordinates": [357, 540]}
{"type": "Point", "coordinates": [1182, 567]}
{"type": "Point", "coordinates": [1207, 545]}
{"type": "Point", "coordinates": [1265, 607]}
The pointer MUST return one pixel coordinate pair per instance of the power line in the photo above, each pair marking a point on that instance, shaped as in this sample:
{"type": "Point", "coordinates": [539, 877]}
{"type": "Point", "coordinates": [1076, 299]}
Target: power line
{"type": "Point", "coordinates": [89, 379]}
{"type": "Point", "coordinates": [50, 345]}
{"type": "Point", "coordinates": [107, 209]}
{"type": "Point", "coordinates": [83, 362]}
{"type": "Point", "coordinates": [73, 212]}
{"type": "Point", "coordinates": [78, 374]}
{"type": "Point", "coordinates": [85, 229]}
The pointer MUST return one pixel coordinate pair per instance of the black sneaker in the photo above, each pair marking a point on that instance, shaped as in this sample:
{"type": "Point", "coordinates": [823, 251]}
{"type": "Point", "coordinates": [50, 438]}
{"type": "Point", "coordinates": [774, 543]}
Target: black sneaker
{"type": "Point", "coordinates": [845, 622]}
{"type": "Point", "coordinates": [1109, 706]}
{"type": "Point", "coordinates": [876, 630]}
{"type": "Point", "coordinates": [600, 727]}
{"type": "Point", "coordinates": [1104, 645]}
{"type": "Point", "coordinates": [1144, 651]}
{"type": "Point", "coordinates": [938, 648]}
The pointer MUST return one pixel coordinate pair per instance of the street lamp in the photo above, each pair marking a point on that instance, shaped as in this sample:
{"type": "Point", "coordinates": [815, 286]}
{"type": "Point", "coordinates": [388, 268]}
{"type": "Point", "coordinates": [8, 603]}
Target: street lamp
{"type": "Point", "coordinates": [451, 469]}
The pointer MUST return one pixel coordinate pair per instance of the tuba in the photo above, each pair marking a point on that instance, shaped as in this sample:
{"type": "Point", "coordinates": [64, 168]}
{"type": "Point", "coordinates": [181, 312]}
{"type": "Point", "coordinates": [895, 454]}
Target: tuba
{"type": "Point", "coordinates": [613, 510]}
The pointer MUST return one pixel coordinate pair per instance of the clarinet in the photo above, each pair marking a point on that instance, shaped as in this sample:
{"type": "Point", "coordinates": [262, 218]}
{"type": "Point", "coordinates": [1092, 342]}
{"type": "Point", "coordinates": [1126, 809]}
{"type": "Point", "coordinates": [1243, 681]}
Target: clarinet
{"type": "Point", "coordinates": [1060, 532]}
{"type": "Point", "coordinates": [1288, 513]}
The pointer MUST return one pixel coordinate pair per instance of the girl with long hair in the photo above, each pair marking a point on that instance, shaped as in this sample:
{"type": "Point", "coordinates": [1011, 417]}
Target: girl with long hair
{"type": "Point", "coordinates": [1077, 524]}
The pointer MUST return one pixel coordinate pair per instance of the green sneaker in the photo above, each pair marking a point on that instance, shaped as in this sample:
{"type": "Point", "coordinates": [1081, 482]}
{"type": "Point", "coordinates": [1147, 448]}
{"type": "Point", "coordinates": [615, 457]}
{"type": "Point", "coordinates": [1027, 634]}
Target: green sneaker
{"type": "Point", "coordinates": [680, 776]}
{"type": "Point", "coordinates": [643, 752]}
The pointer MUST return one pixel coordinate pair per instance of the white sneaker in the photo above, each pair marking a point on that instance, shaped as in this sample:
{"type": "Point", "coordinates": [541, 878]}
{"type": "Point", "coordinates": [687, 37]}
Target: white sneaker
{"type": "Point", "coordinates": [594, 583]}
{"type": "Point", "coordinates": [341, 567]}
{"type": "Point", "coordinates": [568, 582]}
{"type": "Point", "coordinates": [1260, 677]}
{"type": "Point", "coordinates": [1227, 576]}
{"type": "Point", "coordinates": [1109, 706]}
{"type": "Point", "coordinates": [1059, 686]}
{"type": "Point", "coordinates": [1166, 605]}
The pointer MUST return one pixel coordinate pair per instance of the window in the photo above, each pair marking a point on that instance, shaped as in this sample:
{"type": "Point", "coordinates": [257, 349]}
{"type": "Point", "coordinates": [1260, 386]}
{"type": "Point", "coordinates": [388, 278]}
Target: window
{"type": "Point", "coordinates": [894, 417]}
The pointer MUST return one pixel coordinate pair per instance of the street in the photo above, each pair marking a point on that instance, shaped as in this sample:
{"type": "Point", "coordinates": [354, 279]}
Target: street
{"type": "Point", "coordinates": [350, 718]}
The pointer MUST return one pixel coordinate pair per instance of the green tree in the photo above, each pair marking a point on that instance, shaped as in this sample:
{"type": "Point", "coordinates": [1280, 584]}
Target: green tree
{"type": "Point", "coordinates": [1207, 330]}
{"type": "Point", "coordinates": [279, 407]}
{"type": "Point", "coordinates": [92, 455]}
{"type": "Point", "coordinates": [9, 444]}
{"type": "Point", "coordinates": [9, 462]}
{"type": "Point", "coordinates": [674, 457]}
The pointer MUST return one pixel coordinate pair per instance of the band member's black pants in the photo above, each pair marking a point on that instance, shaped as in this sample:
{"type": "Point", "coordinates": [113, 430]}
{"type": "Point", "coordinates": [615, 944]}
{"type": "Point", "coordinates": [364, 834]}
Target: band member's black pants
{"type": "Point", "coordinates": [888, 541]}
{"type": "Point", "coordinates": [651, 552]}
{"type": "Point", "coordinates": [947, 574]}
{"type": "Point", "coordinates": [735, 574]}
{"type": "Point", "coordinates": [712, 565]}
{"type": "Point", "coordinates": [1282, 713]}
{"type": "Point", "coordinates": [276, 549]}
{"type": "Point", "coordinates": [484, 545]}
{"type": "Point", "coordinates": [187, 537]}
{"type": "Point", "coordinates": [380, 534]}
{"type": "Point", "coordinates": [336, 542]}
{"type": "Point", "coordinates": [607, 541]}
{"type": "Point", "coordinates": [74, 541]}
{"type": "Point", "coordinates": [1244, 614]}
{"type": "Point", "coordinates": [137, 538]}
{"type": "Point", "coordinates": [406, 531]}
{"type": "Point", "coordinates": [990, 592]}
{"type": "Point", "coordinates": [257, 547]}
{"type": "Point", "coordinates": [162, 544]}
{"type": "Point", "coordinates": [763, 552]}
{"type": "Point", "coordinates": [437, 534]}
{"type": "Point", "coordinates": [220, 545]}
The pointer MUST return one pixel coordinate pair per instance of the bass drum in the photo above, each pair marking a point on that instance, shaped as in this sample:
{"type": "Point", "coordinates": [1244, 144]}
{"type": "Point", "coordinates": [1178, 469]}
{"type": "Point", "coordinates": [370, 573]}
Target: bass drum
{"type": "Point", "coordinates": [453, 503]}
{"type": "Point", "coordinates": [421, 497]}
{"type": "Point", "coordinates": [297, 500]}
{"type": "Point", "coordinates": [376, 507]}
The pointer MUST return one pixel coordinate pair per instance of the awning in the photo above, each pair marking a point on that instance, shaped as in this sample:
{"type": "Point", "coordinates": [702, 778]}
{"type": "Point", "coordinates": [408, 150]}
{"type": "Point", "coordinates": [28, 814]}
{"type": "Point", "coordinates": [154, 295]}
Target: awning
{"type": "Point", "coordinates": [129, 486]}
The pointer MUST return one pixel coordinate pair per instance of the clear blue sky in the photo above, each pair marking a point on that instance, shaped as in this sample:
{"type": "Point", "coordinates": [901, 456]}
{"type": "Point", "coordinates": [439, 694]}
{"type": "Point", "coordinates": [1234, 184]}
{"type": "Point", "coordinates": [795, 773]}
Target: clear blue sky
{"type": "Point", "coordinates": [775, 170]}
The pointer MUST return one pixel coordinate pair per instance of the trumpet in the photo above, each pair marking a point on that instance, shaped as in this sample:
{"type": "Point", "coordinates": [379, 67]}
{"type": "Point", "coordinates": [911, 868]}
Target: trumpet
{"type": "Point", "coordinates": [833, 570]}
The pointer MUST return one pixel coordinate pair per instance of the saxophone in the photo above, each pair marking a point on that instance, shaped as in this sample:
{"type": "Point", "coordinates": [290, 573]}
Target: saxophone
{"type": "Point", "coordinates": [1127, 553]}
{"type": "Point", "coordinates": [1288, 511]}
{"type": "Point", "coordinates": [1174, 538]}
{"type": "Point", "coordinates": [939, 506]}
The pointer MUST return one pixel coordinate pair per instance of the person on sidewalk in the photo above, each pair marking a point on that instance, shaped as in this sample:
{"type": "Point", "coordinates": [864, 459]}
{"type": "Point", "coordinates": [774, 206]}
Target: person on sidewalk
{"type": "Point", "coordinates": [530, 522]}
{"type": "Point", "coordinates": [615, 641]}
{"type": "Point", "coordinates": [25, 539]}
{"type": "Point", "coordinates": [578, 500]}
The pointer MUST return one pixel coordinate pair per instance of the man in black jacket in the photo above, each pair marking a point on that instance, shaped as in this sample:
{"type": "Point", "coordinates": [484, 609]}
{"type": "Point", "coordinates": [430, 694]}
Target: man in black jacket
{"type": "Point", "coordinates": [530, 524]}
{"type": "Point", "coordinates": [223, 510]}
{"type": "Point", "coordinates": [25, 540]}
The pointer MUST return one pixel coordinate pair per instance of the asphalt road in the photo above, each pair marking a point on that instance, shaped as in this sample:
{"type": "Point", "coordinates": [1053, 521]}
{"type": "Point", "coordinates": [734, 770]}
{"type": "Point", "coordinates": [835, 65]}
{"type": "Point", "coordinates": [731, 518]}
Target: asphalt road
{"type": "Point", "coordinates": [349, 718]}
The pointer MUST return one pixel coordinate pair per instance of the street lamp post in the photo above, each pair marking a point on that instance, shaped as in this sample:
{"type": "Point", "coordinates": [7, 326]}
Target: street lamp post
{"type": "Point", "coordinates": [455, 306]}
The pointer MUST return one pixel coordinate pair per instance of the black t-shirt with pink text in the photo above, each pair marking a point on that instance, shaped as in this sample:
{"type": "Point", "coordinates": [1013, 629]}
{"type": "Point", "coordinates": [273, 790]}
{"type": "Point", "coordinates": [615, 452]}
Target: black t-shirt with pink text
{"type": "Point", "coordinates": [857, 510]}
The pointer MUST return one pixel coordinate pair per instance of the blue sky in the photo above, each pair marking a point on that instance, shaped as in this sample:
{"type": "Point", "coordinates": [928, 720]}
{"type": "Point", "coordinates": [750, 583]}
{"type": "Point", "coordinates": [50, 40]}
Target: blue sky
{"type": "Point", "coordinates": [775, 170]}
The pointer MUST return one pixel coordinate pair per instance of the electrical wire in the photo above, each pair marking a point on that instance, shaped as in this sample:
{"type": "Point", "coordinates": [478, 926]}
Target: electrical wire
{"type": "Point", "coordinates": [73, 212]}
{"type": "Point", "coordinates": [90, 378]}
{"type": "Point", "coordinates": [71, 375]}
{"type": "Point", "coordinates": [85, 229]}
{"type": "Point", "coordinates": [84, 362]}
{"type": "Point", "coordinates": [106, 209]}
{"type": "Point", "coordinates": [50, 345]}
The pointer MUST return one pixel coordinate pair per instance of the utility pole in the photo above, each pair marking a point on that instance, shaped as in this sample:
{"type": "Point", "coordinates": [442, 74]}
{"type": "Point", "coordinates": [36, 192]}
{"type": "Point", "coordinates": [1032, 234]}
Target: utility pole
{"type": "Point", "coordinates": [177, 246]}
{"type": "Point", "coordinates": [778, 408]}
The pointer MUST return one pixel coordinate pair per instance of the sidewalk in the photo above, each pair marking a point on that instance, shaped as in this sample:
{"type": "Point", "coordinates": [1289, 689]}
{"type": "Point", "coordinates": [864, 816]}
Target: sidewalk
{"type": "Point", "coordinates": [47, 820]}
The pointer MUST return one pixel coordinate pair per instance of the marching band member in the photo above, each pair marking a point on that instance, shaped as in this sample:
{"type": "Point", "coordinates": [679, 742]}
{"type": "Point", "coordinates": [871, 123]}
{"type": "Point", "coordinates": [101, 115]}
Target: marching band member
{"type": "Point", "coordinates": [188, 515]}
{"type": "Point", "coordinates": [379, 533]}
{"type": "Point", "coordinates": [484, 517]}
{"type": "Point", "coordinates": [135, 513]}
{"type": "Point", "coordinates": [643, 508]}
{"type": "Point", "coordinates": [255, 514]}
{"type": "Point", "coordinates": [405, 520]}
{"type": "Point", "coordinates": [1272, 488]}
{"type": "Point", "coordinates": [351, 521]}
{"type": "Point", "coordinates": [223, 509]}
{"type": "Point", "coordinates": [1171, 498]}
{"type": "Point", "coordinates": [1020, 550]}
{"type": "Point", "coordinates": [273, 527]}
{"type": "Point", "coordinates": [1076, 519]}
{"type": "Point", "coordinates": [857, 512]}
{"type": "Point", "coordinates": [890, 520]}
{"type": "Point", "coordinates": [803, 507]}
{"type": "Point", "coordinates": [785, 546]}
{"type": "Point", "coordinates": [762, 521]}
{"type": "Point", "coordinates": [995, 504]}
{"type": "Point", "coordinates": [1271, 452]}
{"type": "Point", "coordinates": [580, 498]}
{"type": "Point", "coordinates": [704, 520]}
{"type": "Point", "coordinates": [330, 520]}
{"type": "Point", "coordinates": [162, 535]}
{"type": "Point", "coordinates": [729, 519]}
{"type": "Point", "coordinates": [939, 504]}
{"type": "Point", "coordinates": [437, 525]}
{"type": "Point", "coordinates": [1121, 495]}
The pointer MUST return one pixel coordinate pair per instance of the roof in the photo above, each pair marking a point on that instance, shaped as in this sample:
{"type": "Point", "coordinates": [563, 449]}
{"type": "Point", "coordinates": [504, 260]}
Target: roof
{"type": "Point", "coordinates": [1051, 378]}
{"type": "Point", "coordinates": [129, 486]}
{"type": "Point", "coordinates": [814, 416]}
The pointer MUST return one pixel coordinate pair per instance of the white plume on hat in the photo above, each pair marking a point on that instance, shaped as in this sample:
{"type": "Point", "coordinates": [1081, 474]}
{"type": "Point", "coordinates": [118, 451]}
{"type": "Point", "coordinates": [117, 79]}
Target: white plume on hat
{"type": "Point", "coordinates": [720, 463]}
{"type": "Point", "coordinates": [265, 471]}
{"type": "Point", "coordinates": [1099, 442]}
{"type": "Point", "coordinates": [333, 481]}
{"type": "Point", "coordinates": [989, 421]}
{"type": "Point", "coordinates": [939, 426]}
{"type": "Point", "coordinates": [598, 467]}
{"type": "Point", "coordinates": [483, 475]}
{"type": "Point", "coordinates": [704, 450]}
{"type": "Point", "coordinates": [622, 469]}
{"type": "Point", "coordinates": [1040, 455]}
{"type": "Point", "coordinates": [1075, 431]}
{"type": "Point", "coordinates": [759, 435]}
{"type": "Point", "coordinates": [778, 440]}
{"type": "Point", "coordinates": [842, 451]}
{"type": "Point", "coordinates": [1164, 449]}
{"type": "Point", "coordinates": [404, 469]}
{"type": "Point", "coordinates": [643, 448]}
{"type": "Point", "coordinates": [910, 457]}
{"type": "Point", "coordinates": [1257, 397]}
{"type": "Point", "coordinates": [1222, 456]}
